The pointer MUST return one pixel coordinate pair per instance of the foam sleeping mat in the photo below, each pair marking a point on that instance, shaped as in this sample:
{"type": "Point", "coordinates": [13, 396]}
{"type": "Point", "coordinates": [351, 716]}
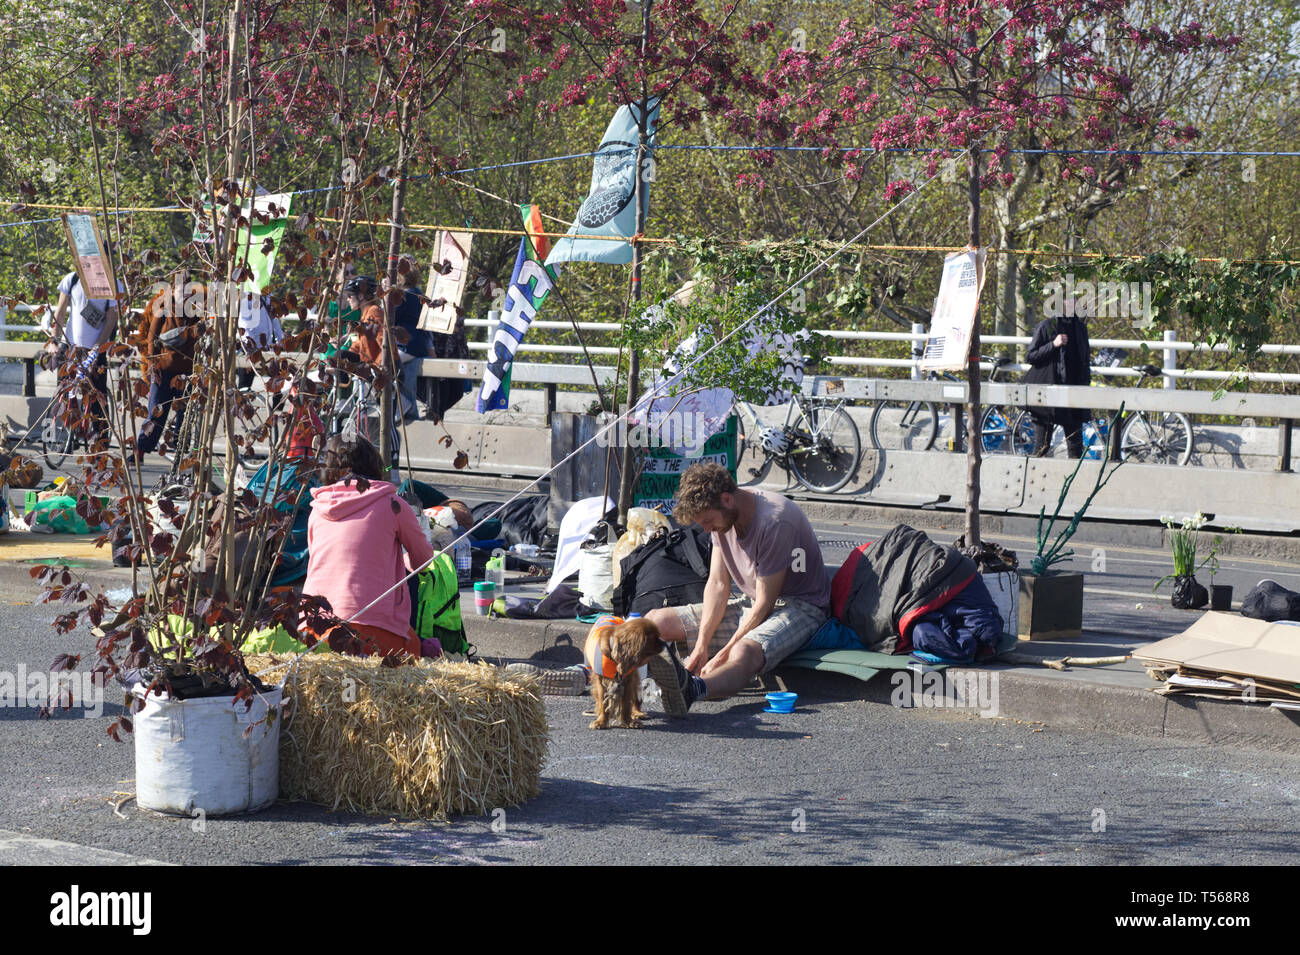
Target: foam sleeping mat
{"type": "Point", "coordinates": [862, 664]}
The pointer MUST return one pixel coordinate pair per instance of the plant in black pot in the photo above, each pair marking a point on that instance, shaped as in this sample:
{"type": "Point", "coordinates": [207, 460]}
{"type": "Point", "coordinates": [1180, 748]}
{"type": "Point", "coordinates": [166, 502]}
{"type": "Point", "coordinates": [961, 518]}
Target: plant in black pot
{"type": "Point", "coordinates": [1184, 537]}
{"type": "Point", "coordinates": [1051, 602]}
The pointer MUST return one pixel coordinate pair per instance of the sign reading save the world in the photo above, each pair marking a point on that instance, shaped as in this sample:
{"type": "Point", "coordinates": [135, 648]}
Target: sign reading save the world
{"type": "Point", "coordinates": [662, 473]}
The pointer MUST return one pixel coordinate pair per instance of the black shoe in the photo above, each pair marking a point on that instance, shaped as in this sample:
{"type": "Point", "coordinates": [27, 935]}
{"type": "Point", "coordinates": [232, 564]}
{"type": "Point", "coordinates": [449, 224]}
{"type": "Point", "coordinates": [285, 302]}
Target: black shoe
{"type": "Point", "coordinates": [674, 680]}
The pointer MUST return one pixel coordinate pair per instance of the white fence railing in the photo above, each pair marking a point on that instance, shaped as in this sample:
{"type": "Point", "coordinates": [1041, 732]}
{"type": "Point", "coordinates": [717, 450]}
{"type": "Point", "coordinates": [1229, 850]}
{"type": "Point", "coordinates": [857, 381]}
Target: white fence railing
{"type": "Point", "coordinates": [1167, 347]}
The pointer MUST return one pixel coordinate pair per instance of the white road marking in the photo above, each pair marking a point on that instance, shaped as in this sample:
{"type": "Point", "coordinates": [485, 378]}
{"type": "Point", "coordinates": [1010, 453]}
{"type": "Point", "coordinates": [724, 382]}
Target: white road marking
{"type": "Point", "coordinates": [17, 848]}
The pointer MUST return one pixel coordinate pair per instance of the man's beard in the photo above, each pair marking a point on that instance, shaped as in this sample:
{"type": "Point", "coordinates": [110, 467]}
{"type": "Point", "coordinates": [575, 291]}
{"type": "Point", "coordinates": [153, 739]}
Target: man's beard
{"type": "Point", "coordinates": [729, 518]}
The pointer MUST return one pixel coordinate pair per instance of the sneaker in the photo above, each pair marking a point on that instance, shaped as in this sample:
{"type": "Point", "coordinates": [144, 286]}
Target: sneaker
{"type": "Point", "coordinates": [571, 681]}
{"type": "Point", "coordinates": [674, 682]}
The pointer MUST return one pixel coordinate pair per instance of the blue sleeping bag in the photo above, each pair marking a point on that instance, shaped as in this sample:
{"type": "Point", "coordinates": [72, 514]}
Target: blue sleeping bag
{"type": "Point", "coordinates": [966, 629]}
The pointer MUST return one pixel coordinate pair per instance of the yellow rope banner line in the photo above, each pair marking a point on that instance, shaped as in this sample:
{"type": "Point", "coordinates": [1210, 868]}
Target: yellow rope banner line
{"type": "Point", "coordinates": [96, 210]}
{"type": "Point", "coordinates": [668, 240]}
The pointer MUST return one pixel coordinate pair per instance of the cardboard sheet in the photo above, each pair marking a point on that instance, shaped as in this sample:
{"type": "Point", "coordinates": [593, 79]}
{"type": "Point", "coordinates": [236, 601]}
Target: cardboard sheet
{"type": "Point", "coordinates": [1230, 643]}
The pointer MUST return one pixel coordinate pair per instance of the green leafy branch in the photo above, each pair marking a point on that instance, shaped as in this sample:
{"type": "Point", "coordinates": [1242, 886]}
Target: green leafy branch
{"type": "Point", "coordinates": [1054, 553]}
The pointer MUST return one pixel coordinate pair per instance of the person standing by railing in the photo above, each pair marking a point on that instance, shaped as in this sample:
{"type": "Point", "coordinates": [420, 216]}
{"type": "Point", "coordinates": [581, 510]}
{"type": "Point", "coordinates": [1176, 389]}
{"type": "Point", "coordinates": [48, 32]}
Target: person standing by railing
{"type": "Point", "coordinates": [1060, 355]}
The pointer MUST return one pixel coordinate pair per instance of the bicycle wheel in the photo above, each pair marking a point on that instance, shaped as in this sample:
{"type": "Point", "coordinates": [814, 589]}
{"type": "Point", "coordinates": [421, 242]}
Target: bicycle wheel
{"type": "Point", "coordinates": [57, 440]}
{"type": "Point", "coordinates": [904, 425]}
{"type": "Point", "coordinates": [826, 448]}
{"type": "Point", "coordinates": [997, 430]}
{"type": "Point", "coordinates": [1024, 434]}
{"type": "Point", "coordinates": [1157, 438]}
{"type": "Point", "coordinates": [1095, 436]}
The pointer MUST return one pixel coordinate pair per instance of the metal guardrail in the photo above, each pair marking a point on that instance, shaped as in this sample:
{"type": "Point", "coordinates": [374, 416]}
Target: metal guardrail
{"type": "Point", "coordinates": [1167, 346]}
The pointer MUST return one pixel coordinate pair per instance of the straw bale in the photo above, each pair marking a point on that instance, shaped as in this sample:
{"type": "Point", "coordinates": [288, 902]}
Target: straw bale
{"type": "Point", "coordinates": [427, 740]}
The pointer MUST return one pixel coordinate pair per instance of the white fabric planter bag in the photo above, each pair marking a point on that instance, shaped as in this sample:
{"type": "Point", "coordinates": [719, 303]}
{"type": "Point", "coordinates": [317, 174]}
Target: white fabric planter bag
{"type": "Point", "coordinates": [192, 754]}
{"type": "Point", "coordinates": [1004, 588]}
{"type": "Point", "coordinates": [596, 577]}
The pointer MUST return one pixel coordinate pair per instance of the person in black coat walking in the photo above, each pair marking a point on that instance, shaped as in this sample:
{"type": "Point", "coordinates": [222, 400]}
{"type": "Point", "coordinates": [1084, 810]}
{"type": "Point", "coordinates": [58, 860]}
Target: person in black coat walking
{"type": "Point", "coordinates": [1060, 355]}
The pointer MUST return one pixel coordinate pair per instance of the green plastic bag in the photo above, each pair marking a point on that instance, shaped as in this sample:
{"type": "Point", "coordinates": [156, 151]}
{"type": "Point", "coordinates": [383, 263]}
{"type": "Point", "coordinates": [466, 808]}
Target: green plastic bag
{"type": "Point", "coordinates": [60, 514]}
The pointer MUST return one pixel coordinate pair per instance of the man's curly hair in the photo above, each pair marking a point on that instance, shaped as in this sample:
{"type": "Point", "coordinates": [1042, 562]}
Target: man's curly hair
{"type": "Point", "coordinates": [701, 489]}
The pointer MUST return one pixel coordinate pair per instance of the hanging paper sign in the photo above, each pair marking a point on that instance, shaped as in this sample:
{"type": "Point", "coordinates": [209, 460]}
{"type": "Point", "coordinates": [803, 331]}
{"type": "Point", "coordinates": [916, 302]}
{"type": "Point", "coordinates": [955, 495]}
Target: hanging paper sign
{"type": "Point", "coordinates": [90, 256]}
{"type": "Point", "coordinates": [948, 346]}
{"type": "Point", "coordinates": [448, 276]}
{"type": "Point", "coordinates": [530, 283]}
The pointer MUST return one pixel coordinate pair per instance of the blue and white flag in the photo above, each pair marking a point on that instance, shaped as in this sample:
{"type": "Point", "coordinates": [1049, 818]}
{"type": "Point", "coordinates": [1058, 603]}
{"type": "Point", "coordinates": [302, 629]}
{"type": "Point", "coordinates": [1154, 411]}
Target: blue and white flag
{"type": "Point", "coordinates": [530, 283]}
{"type": "Point", "coordinates": [608, 208]}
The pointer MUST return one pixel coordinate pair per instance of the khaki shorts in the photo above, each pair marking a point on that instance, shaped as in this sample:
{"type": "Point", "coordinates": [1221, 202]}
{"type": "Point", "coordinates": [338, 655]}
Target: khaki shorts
{"type": "Point", "coordinates": [791, 624]}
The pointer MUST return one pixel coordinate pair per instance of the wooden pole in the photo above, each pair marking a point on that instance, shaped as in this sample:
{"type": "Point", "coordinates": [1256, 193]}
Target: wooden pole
{"type": "Point", "coordinates": [628, 457]}
{"type": "Point", "coordinates": [974, 442]}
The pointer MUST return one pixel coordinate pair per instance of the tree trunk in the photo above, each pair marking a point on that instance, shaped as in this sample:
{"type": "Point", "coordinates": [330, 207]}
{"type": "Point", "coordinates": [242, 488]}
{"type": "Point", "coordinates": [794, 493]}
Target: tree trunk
{"type": "Point", "coordinates": [394, 250]}
{"type": "Point", "coordinates": [974, 444]}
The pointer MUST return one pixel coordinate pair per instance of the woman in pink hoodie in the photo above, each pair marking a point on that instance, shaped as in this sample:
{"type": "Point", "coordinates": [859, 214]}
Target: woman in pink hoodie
{"type": "Point", "coordinates": [356, 536]}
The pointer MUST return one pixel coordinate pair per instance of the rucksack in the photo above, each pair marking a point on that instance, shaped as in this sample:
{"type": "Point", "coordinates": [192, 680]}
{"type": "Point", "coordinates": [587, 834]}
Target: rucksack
{"type": "Point", "coordinates": [435, 606]}
{"type": "Point", "coordinates": [668, 570]}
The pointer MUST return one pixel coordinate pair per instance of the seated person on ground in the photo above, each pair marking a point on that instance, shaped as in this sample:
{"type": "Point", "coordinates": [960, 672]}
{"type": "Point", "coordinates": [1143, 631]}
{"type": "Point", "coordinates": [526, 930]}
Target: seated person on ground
{"type": "Point", "coordinates": [764, 544]}
{"type": "Point", "coordinates": [356, 541]}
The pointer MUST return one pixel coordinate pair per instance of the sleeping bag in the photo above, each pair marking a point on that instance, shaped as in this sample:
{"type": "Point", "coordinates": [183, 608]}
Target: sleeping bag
{"type": "Point", "coordinates": [884, 588]}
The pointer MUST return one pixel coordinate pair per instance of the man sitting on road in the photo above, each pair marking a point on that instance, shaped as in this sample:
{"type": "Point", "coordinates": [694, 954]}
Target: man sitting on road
{"type": "Point", "coordinates": [764, 544]}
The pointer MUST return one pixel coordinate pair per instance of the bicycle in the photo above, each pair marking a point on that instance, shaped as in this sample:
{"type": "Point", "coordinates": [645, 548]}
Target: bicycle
{"type": "Point", "coordinates": [819, 446]}
{"type": "Point", "coordinates": [914, 425]}
{"type": "Point", "coordinates": [1148, 437]}
{"type": "Point", "coordinates": [59, 438]}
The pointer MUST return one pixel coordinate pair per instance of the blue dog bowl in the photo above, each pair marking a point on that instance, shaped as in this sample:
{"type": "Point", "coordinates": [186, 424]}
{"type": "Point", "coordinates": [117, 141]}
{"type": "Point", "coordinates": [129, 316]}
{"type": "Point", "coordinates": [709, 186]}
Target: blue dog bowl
{"type": "Point", "coordinates": [781, 702]}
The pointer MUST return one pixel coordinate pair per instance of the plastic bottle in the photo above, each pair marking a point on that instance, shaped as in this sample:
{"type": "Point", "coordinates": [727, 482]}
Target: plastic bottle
{"type": "Point", "coordinates": [496, 572]}
{"type": "Point", "coordinates": [461, 554]}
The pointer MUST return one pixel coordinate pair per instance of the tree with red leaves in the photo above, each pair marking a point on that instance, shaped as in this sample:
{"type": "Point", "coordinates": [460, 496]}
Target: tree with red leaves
{"type": "Point", "coordinates": [941, 78]}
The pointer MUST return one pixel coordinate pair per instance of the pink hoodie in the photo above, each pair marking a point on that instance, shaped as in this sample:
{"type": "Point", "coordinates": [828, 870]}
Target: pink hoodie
{"type": "Point", "coordinates": [355, 543]}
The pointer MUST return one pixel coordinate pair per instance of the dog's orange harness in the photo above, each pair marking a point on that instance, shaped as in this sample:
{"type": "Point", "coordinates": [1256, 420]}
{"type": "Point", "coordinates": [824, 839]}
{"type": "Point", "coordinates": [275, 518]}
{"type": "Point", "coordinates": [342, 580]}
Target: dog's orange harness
{"type": "Point", "coordinates": [600, 662]}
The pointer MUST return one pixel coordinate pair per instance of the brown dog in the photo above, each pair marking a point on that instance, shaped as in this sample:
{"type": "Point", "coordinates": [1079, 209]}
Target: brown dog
{"type": "Point", "coordinates": [614, 651]}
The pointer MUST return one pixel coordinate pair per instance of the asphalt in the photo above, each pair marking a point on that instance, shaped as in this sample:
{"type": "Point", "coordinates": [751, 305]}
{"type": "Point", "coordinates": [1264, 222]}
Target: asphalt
{"type": "Point", "coordinates": [842, 780]}
{"type": "Point", "coordinates": [1085, 766]}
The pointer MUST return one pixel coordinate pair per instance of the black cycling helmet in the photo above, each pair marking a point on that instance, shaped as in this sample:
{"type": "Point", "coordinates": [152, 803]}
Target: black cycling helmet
{"type": "Point", "coordinates": [362, 286]}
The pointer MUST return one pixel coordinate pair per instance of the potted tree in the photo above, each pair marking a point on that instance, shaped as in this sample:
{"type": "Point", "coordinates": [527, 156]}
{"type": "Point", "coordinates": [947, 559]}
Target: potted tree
{"type": "Point", "coordinates": [205, 544]}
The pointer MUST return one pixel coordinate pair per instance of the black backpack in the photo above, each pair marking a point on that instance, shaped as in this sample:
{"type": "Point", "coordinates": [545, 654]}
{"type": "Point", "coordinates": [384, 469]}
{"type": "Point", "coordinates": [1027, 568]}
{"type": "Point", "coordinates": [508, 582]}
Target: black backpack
{"type": "Point", "coordinates": [669, 570]}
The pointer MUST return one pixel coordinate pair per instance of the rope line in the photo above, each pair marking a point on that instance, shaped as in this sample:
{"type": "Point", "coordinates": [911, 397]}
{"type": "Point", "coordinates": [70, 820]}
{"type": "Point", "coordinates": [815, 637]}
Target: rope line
{"type": "Point", "coordinates": [675, 241]}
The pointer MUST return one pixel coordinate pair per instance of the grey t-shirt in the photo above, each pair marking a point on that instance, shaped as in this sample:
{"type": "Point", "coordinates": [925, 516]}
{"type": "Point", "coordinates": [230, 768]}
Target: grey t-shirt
{"type": "Point", "coordinates": [779, 538]}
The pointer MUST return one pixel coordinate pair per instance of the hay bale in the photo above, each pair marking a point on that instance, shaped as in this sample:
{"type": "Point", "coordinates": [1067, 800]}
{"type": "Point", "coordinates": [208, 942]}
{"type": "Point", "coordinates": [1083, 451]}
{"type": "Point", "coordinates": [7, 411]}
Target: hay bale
{"type": "Point", "coordinates": [428, 740]}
